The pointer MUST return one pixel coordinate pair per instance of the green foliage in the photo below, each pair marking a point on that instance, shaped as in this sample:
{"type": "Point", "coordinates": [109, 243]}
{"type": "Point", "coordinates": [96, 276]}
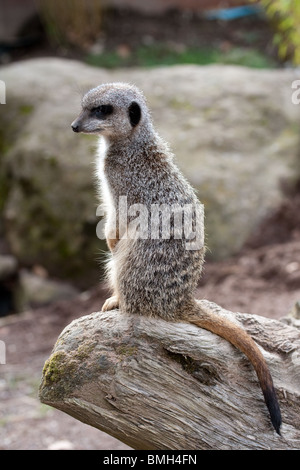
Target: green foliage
{"type": "Point", "coordinates": [285, 15]}
{"type": "Point", "coordinates": [162, 54]}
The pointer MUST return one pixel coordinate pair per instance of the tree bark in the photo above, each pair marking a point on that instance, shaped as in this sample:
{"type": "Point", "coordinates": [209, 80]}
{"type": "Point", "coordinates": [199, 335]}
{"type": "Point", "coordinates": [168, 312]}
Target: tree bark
{"type": "Point", "coordinates": [160, 385]}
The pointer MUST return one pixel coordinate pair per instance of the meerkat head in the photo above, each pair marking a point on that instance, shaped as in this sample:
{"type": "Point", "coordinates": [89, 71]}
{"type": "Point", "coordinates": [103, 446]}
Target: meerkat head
{"type": "Point", "coordinates": [114, 110]}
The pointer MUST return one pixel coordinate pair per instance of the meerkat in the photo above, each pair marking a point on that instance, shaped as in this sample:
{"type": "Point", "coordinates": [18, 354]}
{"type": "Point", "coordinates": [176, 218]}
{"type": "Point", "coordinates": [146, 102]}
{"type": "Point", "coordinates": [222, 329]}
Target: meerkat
{"type": "Point", "coordinates": [151, 276]}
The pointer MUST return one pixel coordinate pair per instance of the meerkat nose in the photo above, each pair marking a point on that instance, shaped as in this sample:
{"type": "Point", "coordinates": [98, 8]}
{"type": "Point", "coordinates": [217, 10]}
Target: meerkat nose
{"type": "Point", "coordinates": [75, 127]}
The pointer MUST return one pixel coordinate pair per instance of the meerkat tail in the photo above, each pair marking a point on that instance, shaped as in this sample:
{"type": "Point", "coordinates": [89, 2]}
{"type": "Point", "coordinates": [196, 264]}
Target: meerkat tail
{"type": "Point", "coordinates": [240, 339]}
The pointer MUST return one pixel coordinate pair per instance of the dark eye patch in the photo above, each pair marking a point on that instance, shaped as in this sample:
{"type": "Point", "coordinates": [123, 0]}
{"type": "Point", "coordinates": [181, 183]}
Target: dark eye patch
{"type": "Point", "coordinates": [134, 113]}
{"type": "Point", "coordinates": [100, 112]}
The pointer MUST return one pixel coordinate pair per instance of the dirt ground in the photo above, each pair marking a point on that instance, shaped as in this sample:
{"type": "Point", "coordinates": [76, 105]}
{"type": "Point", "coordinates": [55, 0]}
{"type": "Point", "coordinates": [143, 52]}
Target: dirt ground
{"type": "Point", "coordinates": [263, 279]}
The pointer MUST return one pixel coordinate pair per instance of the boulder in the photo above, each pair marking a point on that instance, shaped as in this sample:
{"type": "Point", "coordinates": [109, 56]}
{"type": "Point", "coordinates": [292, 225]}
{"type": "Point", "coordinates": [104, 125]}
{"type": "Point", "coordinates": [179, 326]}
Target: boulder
{"type": "Point", "coordinates": [36, 291]}
{"type": "Point", "coordinates": [235, 133]}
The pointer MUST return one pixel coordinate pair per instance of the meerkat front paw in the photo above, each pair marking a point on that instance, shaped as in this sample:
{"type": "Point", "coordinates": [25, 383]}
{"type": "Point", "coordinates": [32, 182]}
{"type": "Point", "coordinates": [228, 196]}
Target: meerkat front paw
{"type": "Point", "coordinates": [111, 303]}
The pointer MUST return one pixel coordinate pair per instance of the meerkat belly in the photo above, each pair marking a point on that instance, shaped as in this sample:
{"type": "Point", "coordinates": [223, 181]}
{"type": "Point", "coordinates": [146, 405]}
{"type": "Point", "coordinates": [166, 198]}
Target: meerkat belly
{"type": "Point", "coordinates": [156, 277]}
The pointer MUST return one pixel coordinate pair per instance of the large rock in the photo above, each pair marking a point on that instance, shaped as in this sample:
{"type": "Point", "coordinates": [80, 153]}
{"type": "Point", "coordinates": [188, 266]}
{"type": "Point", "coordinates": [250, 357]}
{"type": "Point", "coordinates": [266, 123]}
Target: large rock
{"type": "Point", "coordinates": [235, 133]}
{"type": "Point", "coordinates": [36, 290]}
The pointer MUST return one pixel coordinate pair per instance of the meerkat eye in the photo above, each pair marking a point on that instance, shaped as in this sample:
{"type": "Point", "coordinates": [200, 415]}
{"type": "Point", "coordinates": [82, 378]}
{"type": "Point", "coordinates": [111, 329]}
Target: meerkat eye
{"type": "Point", "coordinates": [102, 111]}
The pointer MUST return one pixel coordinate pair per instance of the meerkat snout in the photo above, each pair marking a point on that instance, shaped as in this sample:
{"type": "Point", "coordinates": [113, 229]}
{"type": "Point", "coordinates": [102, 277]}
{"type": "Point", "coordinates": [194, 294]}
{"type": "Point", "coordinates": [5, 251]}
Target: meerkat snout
{"type": "Point", "coordinates": [75, 126]}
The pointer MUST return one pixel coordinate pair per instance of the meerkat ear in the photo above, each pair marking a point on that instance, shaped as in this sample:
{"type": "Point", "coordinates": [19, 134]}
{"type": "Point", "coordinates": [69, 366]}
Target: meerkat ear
{"type": "Point", "coordinates": [134, 113]}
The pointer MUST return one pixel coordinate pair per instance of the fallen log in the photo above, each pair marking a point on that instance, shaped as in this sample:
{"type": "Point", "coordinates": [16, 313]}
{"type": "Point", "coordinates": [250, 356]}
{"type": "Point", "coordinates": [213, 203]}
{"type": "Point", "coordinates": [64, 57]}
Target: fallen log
{"type": "Point", "coordinates": [160, 385]}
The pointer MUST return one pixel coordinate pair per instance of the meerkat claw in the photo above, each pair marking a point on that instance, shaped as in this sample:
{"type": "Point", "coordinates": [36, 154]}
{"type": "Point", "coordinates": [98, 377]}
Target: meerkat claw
{"type": "Point", "coordinates": [110, 304]}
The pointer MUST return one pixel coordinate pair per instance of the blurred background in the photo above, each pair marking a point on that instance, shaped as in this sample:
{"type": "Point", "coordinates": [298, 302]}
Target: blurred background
{"type": "Point", "coordinates": [221, 81]}
{"type": "Point", "coordinates": [114, 33]}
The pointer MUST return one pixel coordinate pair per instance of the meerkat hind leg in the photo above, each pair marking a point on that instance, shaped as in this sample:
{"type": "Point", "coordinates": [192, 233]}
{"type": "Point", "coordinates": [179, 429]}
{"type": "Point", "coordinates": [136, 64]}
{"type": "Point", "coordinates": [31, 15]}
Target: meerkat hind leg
{"type": "Point", "coordinates": [111, 303]}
